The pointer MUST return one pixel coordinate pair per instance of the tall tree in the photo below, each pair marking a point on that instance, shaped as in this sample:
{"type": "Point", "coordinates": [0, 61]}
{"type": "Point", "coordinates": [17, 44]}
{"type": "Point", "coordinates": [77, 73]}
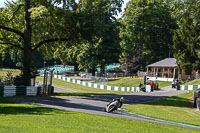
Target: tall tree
{"type": "Point", "coordinates": [29, 25]}
{"type": "Point", "coordinates": [146, 32]}
{"type": "Point", "coordinates": [102, 52]}
{"type": "Point", "coordinates": [104, 47]}
{"type": "Point", "coordinates": [186, 39]}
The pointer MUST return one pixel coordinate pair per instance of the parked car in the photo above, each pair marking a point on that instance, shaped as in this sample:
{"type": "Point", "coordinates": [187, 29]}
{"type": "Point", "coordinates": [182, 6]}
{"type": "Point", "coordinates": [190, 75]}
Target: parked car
{"type": "Point", "coordinates": [197, 99]}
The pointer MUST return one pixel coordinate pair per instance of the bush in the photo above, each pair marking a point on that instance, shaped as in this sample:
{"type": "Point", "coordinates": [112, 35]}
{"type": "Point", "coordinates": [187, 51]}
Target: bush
{"type": "Point", "coordinates": [23, 80]}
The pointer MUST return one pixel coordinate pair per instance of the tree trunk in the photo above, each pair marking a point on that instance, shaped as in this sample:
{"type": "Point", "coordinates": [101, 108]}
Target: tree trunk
{"type": "Point", "coordinates": [76, 67]}
{"type": "Point", "coordinates": [27, 55]}
{"type": "Point", "coordinates": [93, 71]}
{"type": "Point", "coordinates": [102, 72]}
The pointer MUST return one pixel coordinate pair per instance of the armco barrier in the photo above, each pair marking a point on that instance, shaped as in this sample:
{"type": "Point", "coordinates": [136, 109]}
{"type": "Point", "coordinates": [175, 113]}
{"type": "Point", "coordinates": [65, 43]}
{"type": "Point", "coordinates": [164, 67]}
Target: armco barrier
{"type": "Point", "coordinates": [189, 87]}
{"type": "Point", "coordinates": [19, 91]}
{"type": "Point", "coordinates": [93, 85]}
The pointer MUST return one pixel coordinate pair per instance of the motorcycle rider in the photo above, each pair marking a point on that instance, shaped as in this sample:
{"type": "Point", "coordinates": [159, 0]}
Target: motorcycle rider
{"type": "Point", "coordinates": [121, 101]}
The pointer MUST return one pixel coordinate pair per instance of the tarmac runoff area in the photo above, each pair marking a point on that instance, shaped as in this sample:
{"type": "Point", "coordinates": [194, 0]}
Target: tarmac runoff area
{"type": "Point", "coordinates": [96, 104]}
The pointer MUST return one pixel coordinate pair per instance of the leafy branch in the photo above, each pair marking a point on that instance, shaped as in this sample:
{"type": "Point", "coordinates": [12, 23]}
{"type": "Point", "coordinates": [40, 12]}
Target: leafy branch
{"type": "Point", "coordinates": [13, 15]}
{"type": "Point", "coordinates": [49, 41]}
{"type": "Point", "coordinates": [11, 44]}
{"type": "Point", "coordinates": [12, 30]}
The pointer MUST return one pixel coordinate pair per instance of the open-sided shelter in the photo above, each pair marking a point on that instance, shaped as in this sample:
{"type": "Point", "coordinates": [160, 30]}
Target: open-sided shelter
{"type": "Point", "coordinates": [167, 70]}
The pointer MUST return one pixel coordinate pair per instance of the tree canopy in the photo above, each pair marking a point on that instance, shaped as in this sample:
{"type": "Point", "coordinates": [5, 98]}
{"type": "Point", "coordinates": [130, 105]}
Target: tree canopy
{"type": "Point", "coordinates": [102, 49]}
{"type": "Point", "coordinates": [186, 46]}
{"type": "Point", "coordinates": [29, 25]}
{"type": "Point", "coordinates": [146, 33]}
{"type": "Point", "coordinates": [87, 32]}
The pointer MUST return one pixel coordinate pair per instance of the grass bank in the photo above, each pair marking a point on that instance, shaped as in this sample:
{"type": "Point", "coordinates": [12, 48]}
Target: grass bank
{"type": "Point", "coordinates": [80, 89]}
{"type": "Point", "coordinates": [23, 118]}
{"type": "Point", "coordinates": [127, 82]}
{"type": "Point", "coordinates": [176, 109]}
{"type": "Point", "coordinates": [193, 82]}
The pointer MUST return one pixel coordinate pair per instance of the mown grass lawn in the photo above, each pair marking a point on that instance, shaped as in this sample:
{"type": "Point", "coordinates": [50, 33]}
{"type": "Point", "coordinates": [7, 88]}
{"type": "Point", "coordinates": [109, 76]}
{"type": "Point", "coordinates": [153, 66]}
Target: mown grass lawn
{"type": "Point", "coordinates": [193, 82]}
{"type": "Point", "coordinates": [23, 118]}
{"type": "Point", "coordinates": [176, 109]}
{"type": "Point", "coordinates": [127, 82]}
{"type": "Point", "coordinates": [80, 89]}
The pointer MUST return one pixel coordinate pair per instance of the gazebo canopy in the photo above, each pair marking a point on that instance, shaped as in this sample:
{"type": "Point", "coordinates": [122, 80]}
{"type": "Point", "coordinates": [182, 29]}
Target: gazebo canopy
{"type": "Point", "coordinates": [168, 62]}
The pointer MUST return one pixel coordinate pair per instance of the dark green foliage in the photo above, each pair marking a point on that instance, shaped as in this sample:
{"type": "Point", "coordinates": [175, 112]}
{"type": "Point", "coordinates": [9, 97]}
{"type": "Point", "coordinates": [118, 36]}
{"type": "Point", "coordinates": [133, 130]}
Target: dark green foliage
{"type": "Point", "coordinates": [30, 25]}
{"type": "Point", "coordinates": [147, 29]}
{"type": "Point", "coordinates": [22, 80]}
{"type": "Point", "coordinates": [186, 46]}
{"type": "Point", "coordinates": [103, 46]}
{"type": "Point", "coordinates": [105, 51]}
{"type": "Point", "coordinates": [133, 64]}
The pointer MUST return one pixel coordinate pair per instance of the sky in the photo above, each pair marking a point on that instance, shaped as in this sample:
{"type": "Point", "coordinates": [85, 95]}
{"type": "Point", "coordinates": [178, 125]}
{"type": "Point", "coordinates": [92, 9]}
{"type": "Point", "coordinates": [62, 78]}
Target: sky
{"type": "Point", "coordinates": [119, 15]}
{"type": "Point", "coordinates": [2, 3]}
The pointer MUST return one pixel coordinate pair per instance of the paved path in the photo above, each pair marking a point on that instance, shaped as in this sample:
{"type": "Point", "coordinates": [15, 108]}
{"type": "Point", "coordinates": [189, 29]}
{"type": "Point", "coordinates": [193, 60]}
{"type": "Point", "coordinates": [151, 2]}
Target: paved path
{"type": "Point", "coordinates": [167, 88]}
{"type": "Point", "coordinates": [58, 89]}
{"type": "Point", "coordinates": [96, 104]}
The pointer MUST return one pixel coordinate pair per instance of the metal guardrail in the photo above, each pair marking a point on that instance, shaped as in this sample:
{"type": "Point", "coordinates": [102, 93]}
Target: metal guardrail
{"type": "Point", "coordinates": [94, 79]}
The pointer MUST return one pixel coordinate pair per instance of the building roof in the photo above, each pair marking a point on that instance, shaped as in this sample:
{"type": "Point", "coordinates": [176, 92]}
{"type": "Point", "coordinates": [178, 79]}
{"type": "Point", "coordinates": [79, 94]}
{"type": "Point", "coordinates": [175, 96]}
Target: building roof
{"type": "Point", "coordinates": [168, 62]}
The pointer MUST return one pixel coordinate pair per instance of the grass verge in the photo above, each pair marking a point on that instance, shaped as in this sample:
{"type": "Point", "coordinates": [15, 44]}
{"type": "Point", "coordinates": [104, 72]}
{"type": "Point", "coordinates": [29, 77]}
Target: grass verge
{"type": "Point", "coordinates": [127, 82]}
{"type": "Point", "coordinates": [176, 109]}
{"type": "Point", "coordinates": [193, 82]}
{"type": "Point", "coordinates": [80, 89]}
{"type": "Point", "coordinates": [23, 118]}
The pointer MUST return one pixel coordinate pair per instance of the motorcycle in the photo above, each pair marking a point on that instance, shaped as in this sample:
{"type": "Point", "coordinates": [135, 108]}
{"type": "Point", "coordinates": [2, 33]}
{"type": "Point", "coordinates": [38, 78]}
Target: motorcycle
{"type": "Point", "coordinates": [197, 99]}
{"type": "Point", "coordinates": [114, 105]}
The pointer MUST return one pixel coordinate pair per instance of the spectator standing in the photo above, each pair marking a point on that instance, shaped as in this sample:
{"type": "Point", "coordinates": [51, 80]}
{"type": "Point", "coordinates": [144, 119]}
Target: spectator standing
{"type": "Point", "coordinates": [152, 84]}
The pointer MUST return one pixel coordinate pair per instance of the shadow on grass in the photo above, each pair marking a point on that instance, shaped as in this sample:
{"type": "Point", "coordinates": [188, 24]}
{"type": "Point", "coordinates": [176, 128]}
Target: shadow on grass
{"type": "Point", "coordinates": [113, 79]}
{"type": "Point", "coordinates": [28, 110]}
{"type": "Point", "coordinates": [79, 94]}
{"type": "Point", "coordinates": [7, 106]}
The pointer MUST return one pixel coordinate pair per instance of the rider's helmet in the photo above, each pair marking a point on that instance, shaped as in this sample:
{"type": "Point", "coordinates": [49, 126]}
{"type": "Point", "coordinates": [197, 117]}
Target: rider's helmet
{"type": "Point", "coordinates": [122, 99]}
